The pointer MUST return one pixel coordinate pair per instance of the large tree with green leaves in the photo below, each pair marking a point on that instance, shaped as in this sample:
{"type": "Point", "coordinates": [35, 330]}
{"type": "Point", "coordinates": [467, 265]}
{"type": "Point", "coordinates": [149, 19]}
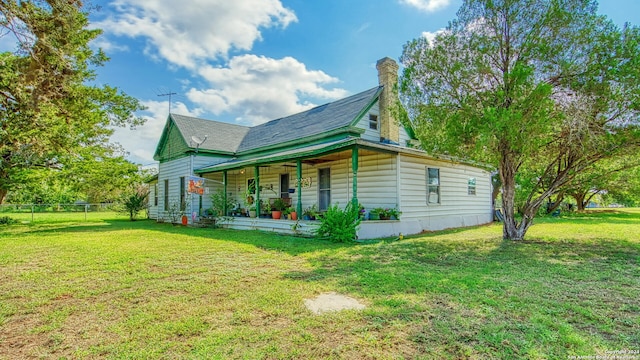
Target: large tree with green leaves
{"type": "Point", "coordinates": [50, 113]}
{"type": "Point", "coordinates": [546, 86]}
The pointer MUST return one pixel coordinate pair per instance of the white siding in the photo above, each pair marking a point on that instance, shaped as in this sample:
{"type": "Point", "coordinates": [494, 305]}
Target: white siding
{"type": "Point", "coordinates": [377, 181]}
{"type": "Point", "coordinates": [172, 171]}
{"type": "Point", "coordinates": [153, 209]}
{"type": "Point", "coordinates": [456, 207]}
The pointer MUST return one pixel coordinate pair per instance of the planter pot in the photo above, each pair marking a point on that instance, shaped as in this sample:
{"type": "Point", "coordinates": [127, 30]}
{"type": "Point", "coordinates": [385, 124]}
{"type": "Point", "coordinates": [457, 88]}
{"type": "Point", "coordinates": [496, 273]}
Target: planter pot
{"type": "Point", "coordinates": [185, 220]}
{"type": "Point", "coordinates": [252, 213]}
{"type": "Point", "coordinates": [276, 214]}
{"type": "Point", "coordinates": [306, 217]}
{"type": "Point", "coordinates": [293, 216]}
{"type": "Point", "coordinates": [374, 216]}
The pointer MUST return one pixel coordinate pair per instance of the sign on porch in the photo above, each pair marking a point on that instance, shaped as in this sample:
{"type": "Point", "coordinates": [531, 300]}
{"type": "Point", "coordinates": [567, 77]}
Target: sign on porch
{"type": "Point", "coordinates": [196, 185]}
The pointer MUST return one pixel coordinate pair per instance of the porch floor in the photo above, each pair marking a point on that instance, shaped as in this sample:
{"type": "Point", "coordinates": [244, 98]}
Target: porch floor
{"type": "Point", "coordinates": [368, 229]}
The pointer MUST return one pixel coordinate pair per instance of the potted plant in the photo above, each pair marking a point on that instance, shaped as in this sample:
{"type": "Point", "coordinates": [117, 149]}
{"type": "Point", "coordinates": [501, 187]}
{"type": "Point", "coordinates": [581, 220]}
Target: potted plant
{"type": "Point", "coordinates": [393, 213]}
{"type": "Point", "coordinates": [265, 209]}
{"type": "Point", "coordinates": [310, 213]}
{"type": "Point", "coordinates": [361, 211]}
{"type": "Point", "coordinates": [278, 206]}
{"type": "Point", "coordinates": [374, 214]}
{"type": "Point", "coordinates": [293, 215]}
{"type": "Point", "coordinates": [252, 211]}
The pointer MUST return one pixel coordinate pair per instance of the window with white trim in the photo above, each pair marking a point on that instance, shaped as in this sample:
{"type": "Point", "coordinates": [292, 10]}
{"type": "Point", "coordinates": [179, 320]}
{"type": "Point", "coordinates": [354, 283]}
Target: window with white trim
{"type": "Point", "coordinates": [433, 185]}
{"type": "Point", "coordinates": [373, 122]}
{"type": "Point", "coordinates": [471, 187]}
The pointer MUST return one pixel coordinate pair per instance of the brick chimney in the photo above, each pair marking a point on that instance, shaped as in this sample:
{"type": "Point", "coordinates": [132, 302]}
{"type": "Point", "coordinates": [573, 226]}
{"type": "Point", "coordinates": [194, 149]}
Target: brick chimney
{"type": "Point", "coordinates": [388, 78]}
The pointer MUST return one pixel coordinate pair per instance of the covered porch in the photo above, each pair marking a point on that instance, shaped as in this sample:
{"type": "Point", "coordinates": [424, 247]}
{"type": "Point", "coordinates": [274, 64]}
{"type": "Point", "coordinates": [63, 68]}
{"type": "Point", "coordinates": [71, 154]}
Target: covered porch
{"type": "Point", "coordinates": [308, 179]}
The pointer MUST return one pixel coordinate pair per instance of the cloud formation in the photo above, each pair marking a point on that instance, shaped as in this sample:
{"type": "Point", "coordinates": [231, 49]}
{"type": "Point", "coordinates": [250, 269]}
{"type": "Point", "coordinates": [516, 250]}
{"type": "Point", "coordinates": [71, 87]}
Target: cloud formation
{"type": "Point", "coordinates": [427, 5]}
{"type": "Point", "coordinates": [141, 142]}
{"type": "Point", "coordinates": [259, 88]}
{"type": "Point", "coordinates": [187, 35]}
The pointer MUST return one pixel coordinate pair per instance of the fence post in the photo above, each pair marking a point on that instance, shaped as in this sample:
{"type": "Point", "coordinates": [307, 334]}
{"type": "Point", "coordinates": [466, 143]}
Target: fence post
{"type": "Point", "coordinates": [32, 211]}
{"type": "Point", "coordinates": [85, 211]}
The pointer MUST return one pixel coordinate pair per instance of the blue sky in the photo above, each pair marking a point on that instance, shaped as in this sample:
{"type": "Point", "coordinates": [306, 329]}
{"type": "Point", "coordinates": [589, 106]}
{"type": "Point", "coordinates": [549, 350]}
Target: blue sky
{"type": "Point", "coordinates": [249, 61]}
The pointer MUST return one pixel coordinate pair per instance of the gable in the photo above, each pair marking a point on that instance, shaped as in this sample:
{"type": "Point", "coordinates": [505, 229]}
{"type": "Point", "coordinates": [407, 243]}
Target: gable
{"type": "Point", "coordinates": [171, 145]}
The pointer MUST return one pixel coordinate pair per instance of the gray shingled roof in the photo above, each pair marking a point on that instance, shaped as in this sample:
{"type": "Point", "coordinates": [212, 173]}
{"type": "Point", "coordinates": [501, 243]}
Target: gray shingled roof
{"type": "Point", "coordinates": [236, 138]}
{"type": "Point", "coordinates": [321, 119]}
{"type": "Point", "coordinates": [220, 136]}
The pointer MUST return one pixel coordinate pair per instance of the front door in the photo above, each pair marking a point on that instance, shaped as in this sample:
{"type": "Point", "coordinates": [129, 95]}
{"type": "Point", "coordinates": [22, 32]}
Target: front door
{"type": "Point", "coordinates": [284, 186]}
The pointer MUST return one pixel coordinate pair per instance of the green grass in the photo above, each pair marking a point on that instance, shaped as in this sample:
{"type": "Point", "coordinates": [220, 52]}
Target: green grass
{"type": "Point", "coordinates": [110, 288]}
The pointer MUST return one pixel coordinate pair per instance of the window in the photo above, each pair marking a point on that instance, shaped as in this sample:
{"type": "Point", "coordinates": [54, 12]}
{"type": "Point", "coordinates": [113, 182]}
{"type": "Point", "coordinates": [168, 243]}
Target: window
{"type": "Point", "coordinates": [324, 188]}
{"type": "Point", "coordinates": [433, 186]}
{"type": "Point", "coordinates": [155, 194]}
{"type": "Point", "coordinates": [166, 195]}
{"type": "Point", "coordinates": [284, 186]}
{"type": "Point", "coordinates": [471, 188]}
{"type": "Point", "coordinates": [183, 203]}
{"type": "Point", "coordinates": [373, 122]}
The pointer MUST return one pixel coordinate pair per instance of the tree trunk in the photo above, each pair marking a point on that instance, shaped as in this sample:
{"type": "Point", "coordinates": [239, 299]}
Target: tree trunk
{"type": "Point", "coordinates": [3, 194]}
{"type": "Point", "coordinates": [511, 230]}
{"type": "Point", "coordinates": [579, 197]}
{"type": "Point", "coordinates": [556, 204]}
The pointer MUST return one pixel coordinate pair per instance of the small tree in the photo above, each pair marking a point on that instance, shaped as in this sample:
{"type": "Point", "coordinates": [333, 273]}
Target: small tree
{"type": "Point", "coordinates": [135, 202]}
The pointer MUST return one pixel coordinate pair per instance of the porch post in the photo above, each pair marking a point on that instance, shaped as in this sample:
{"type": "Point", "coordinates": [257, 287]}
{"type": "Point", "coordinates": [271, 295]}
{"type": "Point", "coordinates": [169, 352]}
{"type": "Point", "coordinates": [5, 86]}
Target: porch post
{"type": "Point", "coordinates": [256, 171]}
{"type": "Point", "coordinates": [224, 185]}
{"type": "Point", "coordinates": [354, 180]}
{"type": "Point", "coordinates": [299, 185]}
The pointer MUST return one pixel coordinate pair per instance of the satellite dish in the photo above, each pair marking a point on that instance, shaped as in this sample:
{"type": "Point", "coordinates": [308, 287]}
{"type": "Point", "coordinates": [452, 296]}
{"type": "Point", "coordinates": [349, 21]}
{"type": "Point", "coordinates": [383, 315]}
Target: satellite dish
{"type": "Point", "coordinates": [197, 140]}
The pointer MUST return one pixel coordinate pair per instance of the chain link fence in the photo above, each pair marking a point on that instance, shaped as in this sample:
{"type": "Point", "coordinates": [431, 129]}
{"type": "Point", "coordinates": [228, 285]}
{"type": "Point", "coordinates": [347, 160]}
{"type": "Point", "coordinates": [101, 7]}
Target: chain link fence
{"type": "Point", "coordinates": [47, 212]}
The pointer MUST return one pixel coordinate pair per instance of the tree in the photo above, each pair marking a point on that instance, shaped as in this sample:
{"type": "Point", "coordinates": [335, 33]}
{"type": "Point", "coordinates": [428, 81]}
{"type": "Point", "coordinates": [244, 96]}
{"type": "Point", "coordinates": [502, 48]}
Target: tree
{"type": "Point", "coordinates": [545, 87]}
{"type": "Point", "coordinates": [49, 113]}
{"type": "Point", "coordinates": [135, 201]}
{"type": "Point", "coordinates": [608, 176]}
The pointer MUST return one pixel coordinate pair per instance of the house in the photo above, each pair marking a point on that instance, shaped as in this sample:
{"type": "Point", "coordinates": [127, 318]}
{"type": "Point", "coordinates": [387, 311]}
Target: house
{"type": "Point", "coordinates": [347, 150]}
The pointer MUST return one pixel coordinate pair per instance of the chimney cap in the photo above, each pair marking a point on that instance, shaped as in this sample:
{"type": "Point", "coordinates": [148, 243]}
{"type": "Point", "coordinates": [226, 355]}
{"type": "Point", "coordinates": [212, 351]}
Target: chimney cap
{"type": "Point", "coordinates": [386, 59]}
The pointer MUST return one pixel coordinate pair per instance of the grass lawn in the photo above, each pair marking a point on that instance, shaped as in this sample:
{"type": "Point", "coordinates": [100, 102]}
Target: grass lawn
{"type": "Point", "coordinates": [110, 288]}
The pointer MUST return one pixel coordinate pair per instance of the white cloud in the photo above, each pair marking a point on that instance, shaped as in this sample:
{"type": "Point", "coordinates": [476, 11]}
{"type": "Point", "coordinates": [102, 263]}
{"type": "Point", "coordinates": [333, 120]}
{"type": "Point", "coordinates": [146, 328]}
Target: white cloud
{"type": "Point", "coordinates": [427, 5]}
{"type": "Point", "coordinates": [109, 47]}
{"type": "Point", "coordinates": [141, 142]}
{"type": "Point", "coordinates": [431, 36]}
{"type": "Point", "coordinates": [187, 35]}
{"type": "Point", "coordinates": [260, 88]}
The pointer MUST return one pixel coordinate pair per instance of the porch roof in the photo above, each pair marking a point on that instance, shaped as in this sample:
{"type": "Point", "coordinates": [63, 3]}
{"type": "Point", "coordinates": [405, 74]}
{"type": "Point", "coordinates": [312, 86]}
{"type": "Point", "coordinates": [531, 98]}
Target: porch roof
{"type": "Point", "coordinates": [287, 155]}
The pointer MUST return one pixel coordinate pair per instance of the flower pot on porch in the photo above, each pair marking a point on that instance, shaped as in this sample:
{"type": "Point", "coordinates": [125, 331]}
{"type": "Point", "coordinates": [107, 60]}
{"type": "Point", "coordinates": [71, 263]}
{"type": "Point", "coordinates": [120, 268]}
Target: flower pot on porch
{"type": "Point", "coordinates": [293, 215]}
{"type": "Point", "coordinates": [252, 213]}
{"type": "Point", "coordinates": [185, 219]}
{"type": "Point", "coordinates": [276, 214]}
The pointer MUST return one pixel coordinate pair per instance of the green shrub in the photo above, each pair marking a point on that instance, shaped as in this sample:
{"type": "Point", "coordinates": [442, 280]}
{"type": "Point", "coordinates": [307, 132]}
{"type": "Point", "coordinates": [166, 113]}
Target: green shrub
{"type": "Point", "coordinates": [6, 220]}
{"type": "Point", "coordinates": [339, 225]}
{"type": "Point", "coordinates": [134, 202]}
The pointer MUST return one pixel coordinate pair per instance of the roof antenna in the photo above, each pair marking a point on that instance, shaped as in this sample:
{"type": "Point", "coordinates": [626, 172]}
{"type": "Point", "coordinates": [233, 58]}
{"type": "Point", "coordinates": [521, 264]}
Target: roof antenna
{"type": "Point", "coordinates": [169, 95]}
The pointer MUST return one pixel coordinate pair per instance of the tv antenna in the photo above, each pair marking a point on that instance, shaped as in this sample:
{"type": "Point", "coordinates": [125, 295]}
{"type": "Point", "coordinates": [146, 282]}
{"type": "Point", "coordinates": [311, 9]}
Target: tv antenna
{"type": "Point", "coordinates": [169, 94]}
